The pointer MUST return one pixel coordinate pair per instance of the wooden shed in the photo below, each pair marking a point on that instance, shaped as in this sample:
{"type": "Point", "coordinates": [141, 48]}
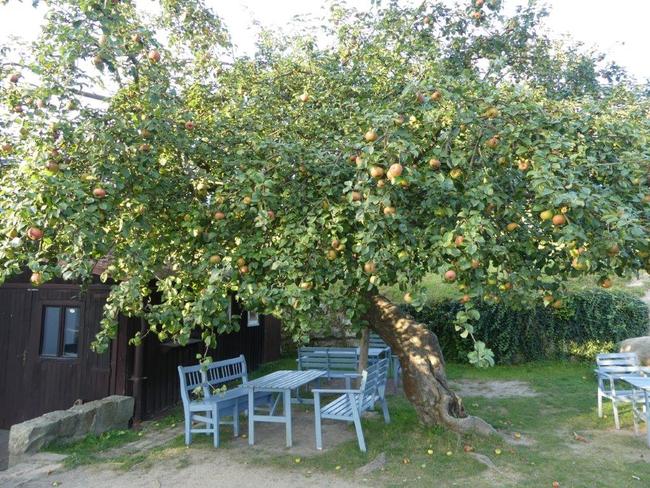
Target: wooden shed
{"type": "Point", "coordinates": [46, 363]}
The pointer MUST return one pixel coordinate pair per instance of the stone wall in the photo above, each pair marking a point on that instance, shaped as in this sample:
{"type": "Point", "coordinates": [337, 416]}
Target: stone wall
{"type": "Point", "coordinates": [113, 412]}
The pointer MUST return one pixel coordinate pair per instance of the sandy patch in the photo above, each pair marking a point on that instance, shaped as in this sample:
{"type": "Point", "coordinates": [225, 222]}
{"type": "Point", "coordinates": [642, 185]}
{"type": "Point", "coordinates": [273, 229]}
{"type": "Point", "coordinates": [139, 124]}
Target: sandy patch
{"type": "Point", "coordinates": [600, 444]}
{"type": "Point", "coordinates": [200, 464]}
{"type": "Point", "coordinates": [270, 438]}
{"type": "Point", "coordinates": [492, 389]}
{"type": "Point", "coordinates": [188, 467]}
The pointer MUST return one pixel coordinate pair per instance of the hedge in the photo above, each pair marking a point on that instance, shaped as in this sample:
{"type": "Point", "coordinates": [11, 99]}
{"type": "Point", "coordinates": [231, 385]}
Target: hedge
{"type": "Point", "coordinates": [592, 321]}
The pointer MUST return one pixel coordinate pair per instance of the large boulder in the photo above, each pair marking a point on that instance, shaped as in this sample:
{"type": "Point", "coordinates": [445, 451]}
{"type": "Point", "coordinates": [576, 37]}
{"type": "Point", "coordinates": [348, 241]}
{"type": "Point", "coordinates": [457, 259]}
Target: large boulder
{"type": "Point", "coordinates": [113, 412]}
{"type": "Point", "coordinates": [31, 435]}
{"type": "Point", "coordinates": [639, 345]}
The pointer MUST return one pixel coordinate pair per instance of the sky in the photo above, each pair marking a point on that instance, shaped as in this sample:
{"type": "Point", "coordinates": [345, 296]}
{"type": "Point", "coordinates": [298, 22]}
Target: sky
{"type": "Point", "coordinates": [617, 27]}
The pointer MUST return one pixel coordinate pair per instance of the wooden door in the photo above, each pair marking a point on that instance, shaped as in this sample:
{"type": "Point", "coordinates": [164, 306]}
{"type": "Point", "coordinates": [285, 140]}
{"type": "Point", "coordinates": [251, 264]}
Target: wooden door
{"type": "Point", "coordinates": [52, 380]}
{"type": "Point", "coordinates": [15, 310]}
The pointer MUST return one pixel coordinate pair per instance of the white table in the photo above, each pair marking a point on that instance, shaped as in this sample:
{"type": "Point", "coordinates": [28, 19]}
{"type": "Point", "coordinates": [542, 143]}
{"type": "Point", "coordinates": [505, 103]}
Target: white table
{"type": "Point", "coordinates": [279, 382]}
{"type": "Point", "coordinates": [640, 383]}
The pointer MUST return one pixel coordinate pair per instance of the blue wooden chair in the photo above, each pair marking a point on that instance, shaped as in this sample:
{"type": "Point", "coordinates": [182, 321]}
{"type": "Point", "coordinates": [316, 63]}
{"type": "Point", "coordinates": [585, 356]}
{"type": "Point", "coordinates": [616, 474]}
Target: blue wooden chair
{"type": "Point", "coordinates": [375, 340]}
{"type": "Point", "coordinates": [351, 404]}
{"type": "Point", "coordinates": [209, 411]}
{"type": "Point", "coordinates": [611, 368]}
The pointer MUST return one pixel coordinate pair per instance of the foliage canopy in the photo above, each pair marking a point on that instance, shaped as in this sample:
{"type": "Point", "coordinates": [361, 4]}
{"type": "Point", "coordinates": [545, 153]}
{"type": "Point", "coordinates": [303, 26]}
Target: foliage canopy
{"type": "Point", "coordinates": [382, 146]}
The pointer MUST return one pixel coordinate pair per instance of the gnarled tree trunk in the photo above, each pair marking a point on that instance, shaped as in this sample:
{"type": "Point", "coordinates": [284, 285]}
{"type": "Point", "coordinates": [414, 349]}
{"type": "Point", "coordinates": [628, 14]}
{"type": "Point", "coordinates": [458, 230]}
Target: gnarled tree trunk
{"type": "Point", "coordinates": [423, 368]}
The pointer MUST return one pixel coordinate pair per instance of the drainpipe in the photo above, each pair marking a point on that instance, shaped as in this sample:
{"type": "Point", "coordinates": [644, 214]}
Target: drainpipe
{"type": "Point", "coordinates": [137, 378]}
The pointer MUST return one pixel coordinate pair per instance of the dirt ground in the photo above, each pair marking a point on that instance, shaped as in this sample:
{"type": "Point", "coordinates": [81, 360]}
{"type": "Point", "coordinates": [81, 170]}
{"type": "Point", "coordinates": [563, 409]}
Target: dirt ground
{"type": "Point", "coordinates": [200, 466]}
{"type": "Point", "coordinates": [492, 389]}
{"type": "Point", "coordinates": [186, 467]}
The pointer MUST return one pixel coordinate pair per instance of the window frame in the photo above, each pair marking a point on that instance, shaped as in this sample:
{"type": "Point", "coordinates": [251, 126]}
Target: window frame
{"type": "Point", "coordinates": [250, 322]}
{"type": "Point", "coordinates": [63, 306]}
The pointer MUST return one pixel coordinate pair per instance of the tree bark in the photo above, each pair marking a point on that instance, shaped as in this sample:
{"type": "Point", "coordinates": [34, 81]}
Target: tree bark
{"type": "Point", "coordinates": [363, 353]}
{"type": "Point", "coordinates": [423, 368]}
{"type": "Point", "coordinates": [363, 349]}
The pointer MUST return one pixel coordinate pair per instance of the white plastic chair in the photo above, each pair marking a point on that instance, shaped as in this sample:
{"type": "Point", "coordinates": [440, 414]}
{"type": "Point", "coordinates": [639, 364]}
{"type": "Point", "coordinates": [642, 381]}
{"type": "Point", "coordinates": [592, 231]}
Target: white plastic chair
{"type": "Point", "coordinates": [612, 368]}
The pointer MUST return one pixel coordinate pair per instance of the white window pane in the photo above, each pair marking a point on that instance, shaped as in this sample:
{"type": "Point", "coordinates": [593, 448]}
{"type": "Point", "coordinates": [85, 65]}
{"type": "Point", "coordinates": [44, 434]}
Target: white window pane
{"type": "Point", "coordinates": [50, 337]}
{"type": "Point", "coordinates": [253, 319]}
{"type": "Point", "coordinates": [71, 332]}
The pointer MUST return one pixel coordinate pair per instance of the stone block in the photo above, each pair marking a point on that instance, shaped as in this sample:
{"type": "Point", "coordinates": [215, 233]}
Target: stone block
{"type": "Point", "coordinates": [110, 413]}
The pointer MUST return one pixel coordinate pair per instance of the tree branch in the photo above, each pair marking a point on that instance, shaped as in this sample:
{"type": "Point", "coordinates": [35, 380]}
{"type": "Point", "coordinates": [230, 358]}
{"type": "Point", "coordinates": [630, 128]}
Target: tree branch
{"type": "Point", "coordinates": [87, 94]}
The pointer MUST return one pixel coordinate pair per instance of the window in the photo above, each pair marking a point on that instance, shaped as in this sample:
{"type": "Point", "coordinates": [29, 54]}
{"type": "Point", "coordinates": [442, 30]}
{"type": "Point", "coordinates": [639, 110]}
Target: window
{"type": "Point", "coordinates": [253, 319]}
{"type": "Point", "coordinates": [60, 332]}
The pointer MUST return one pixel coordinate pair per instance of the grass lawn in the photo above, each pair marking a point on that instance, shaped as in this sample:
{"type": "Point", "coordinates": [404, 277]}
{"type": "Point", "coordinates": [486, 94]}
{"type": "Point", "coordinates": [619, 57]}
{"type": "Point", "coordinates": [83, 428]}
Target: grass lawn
{"type": "Point", "coordinates": [566, 405]}
{"type": "Point", "coordinates": [419, 456]}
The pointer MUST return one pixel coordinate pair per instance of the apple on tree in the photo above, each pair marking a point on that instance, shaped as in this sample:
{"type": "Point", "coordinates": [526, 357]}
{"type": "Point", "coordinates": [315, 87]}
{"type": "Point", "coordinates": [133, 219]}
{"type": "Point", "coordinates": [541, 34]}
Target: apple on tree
{"type": "Point", "coordinates": [35, 234]}
{"type": "Point", "coordinates": [154, 56]}
{"type": "Point", "coordinates": [370, 136]}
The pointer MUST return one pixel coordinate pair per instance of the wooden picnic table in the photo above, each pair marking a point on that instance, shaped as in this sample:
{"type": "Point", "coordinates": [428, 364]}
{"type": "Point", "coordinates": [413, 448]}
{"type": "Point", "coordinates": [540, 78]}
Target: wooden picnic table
{"type": "Point", "coordinates": [280, 383]}
{"type": "Point", "coordinates": [640, 383]}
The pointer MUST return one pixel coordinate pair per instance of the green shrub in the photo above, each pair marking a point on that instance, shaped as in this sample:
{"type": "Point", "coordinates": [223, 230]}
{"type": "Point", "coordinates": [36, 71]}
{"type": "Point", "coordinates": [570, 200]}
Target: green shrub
{"type": "Point", "coordinates": [592, 321]}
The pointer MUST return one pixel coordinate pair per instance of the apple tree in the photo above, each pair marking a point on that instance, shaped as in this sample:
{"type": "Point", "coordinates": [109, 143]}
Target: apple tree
{"type": "Point", "coordinates": [367, 152]}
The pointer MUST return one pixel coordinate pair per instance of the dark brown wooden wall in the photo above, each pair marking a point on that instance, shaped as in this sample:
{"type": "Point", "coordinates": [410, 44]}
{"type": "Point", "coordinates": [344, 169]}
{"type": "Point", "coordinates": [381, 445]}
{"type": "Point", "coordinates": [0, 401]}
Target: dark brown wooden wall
{"type": "Point", "coordinates": [30, 384]}
{"type": "Point", "coordinates": [272, 338]}
{"type": "Point", "coordinates": [161, 386]}
{"type": "Point", "coordinates": [15, 309]}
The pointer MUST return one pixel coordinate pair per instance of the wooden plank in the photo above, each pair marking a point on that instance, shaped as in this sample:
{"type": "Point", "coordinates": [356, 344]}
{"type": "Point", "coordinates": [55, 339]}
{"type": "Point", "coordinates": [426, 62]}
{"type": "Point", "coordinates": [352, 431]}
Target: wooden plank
{"type": "Point", "coordinates": [16, 304]}
{"type": "Point", "coordinates": [272, 338]}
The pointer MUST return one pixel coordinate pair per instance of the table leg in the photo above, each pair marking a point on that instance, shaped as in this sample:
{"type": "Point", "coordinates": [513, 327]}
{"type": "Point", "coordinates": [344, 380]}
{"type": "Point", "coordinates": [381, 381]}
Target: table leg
{"type": "Point", "coordinates": [251, 417]}
{"type": "Point", "coordinates": [287, 416]}
{"type": "Point", "coordinates": [647, 414]}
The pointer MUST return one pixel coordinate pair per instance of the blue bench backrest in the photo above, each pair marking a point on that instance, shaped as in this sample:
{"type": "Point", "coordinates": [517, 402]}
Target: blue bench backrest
{"type": "Point", "coordinates": [373, 384]}
{"type": "Point", "coordinates": [221, 372]}
{"type": "Point", "coordinates": [191, 378]}
{"type": "Point", "coordinates": [618, 363]}
{"type": "Point", "coordinates": [374, 340]}
{"type": "Point", "coordinates": [210, 376]}
{"type": "Point", "coordinates": [332, 359]}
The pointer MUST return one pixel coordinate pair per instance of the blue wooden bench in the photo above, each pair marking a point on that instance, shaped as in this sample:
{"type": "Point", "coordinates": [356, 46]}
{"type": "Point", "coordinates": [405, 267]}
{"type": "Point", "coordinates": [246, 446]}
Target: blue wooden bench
{"type": "Point", "coordinates": [204, 410]}
{"type": "Point", "coordinates": [351, 404]}
{"type": "Point", "coordinates": [612, 368]}
{"type": "Point", "coordinates": [203, 403]}
{"type": "Point", "coordinates": [337, 362]}
{"type": "Point", "coordinates": [374, 340]}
